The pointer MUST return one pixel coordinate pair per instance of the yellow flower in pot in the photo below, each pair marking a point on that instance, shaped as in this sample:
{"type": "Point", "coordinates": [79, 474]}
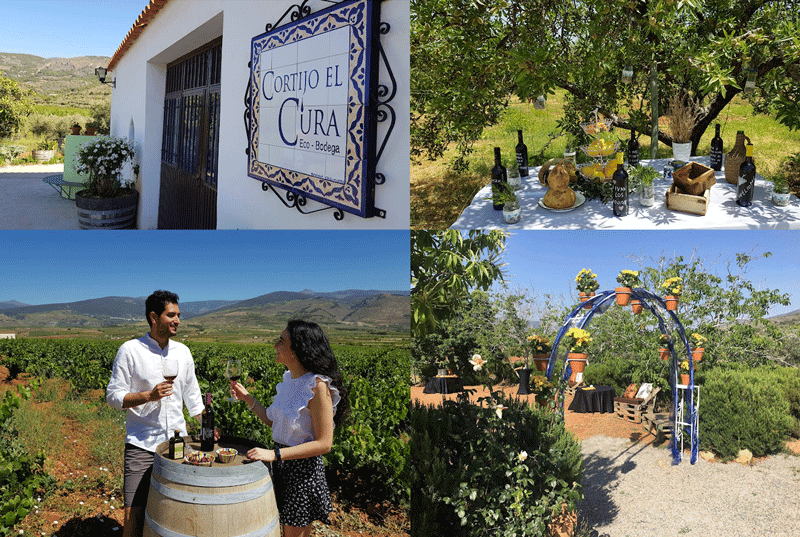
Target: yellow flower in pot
{"type": "Point", "coordinates": [697, 341]}
{"type": "Point", "coordinates": [627, 279]}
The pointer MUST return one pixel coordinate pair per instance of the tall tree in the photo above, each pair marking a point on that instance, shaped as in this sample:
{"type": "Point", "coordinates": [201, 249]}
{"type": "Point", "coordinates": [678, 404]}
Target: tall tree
{"type": "Point", "coordinates": [445, 267]}
{"type": "Point", "coordinates": [14, 107]}
{"type": "Point", "coordinates": [469, 57]}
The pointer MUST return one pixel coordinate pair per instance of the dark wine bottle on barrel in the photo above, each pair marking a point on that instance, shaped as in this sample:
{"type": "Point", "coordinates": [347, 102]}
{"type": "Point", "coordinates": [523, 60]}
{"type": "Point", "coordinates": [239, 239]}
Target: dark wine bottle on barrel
{"type": "Point", "coordinates": [633, 150]}
{"type": "Point", "coordinates": [747, 179]}
{"type": "Point", "coordinates": [207, 426]}
{"type": "Point", "coordinates": [620, 196]}
{"type": "Point", "coordinates": [716, 150]}
{"type": "Point", "coordinates": [522, 156]}
{"type": "Point", "coordinates": [499, 180]}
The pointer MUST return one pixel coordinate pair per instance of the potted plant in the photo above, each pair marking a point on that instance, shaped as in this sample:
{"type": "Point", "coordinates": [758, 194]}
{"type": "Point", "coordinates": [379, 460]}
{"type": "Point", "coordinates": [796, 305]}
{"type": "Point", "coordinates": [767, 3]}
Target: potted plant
{"type": "Point", "coordinates": [76, 129]}
{"type": "Point", "coordinates": [508, 199]}
{"type": "Point", "coordinates": [684, 372]}
{"type": "Point", "coordinates": [697, 341]}
{"type": "Point", "coordinates": [682, 113]}
{"type": "Point", "coordinates": [673, 287]}
{"type": "Point", "coordinates": [91, 127]}
{"type": "Point", "coordinates": [577, 341]}
{"type": "Point", "coordinates": [663, 351]}
{"type": "Point", "coordinates": [441, 367]}
{"type": "Point", "coordinates": [45, 150]}
{"type": "Point", "coordinates": [645, 175]}
{"type": "Point", "coordinates": [106, 202]}
{"type": "Point", "coordinates": [586, 282]}
{"type": "Point", "coordinates": [627, 279]}
{"type": "Point", "coordinates": [540, 349]}
{"type": "Point", "coordinates": [781, 194]}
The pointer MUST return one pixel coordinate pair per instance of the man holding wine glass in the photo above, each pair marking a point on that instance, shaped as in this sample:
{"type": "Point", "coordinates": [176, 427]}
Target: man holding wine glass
{"type": "Point", "coordinates": [152, 378]}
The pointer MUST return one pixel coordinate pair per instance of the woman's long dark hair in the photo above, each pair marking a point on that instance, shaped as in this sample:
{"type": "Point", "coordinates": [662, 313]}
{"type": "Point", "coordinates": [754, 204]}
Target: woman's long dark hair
{"type": "Point", "coordinates": [312, 349]}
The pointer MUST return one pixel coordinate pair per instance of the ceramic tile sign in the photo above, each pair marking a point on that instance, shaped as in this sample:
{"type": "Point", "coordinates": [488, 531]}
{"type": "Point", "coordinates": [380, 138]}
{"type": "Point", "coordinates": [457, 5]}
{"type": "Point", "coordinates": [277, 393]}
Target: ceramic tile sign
{"type": "Point", "coordinates": [310, 126]}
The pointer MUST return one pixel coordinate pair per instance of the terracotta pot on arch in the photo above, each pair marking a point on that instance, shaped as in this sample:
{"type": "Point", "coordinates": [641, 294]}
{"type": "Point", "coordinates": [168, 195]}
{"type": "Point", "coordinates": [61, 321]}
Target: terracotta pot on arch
{"type": "Point", "coordinates": [577, 360]}
{"type": "Point", "coordinates": [636, 306]}
{"type": "Point", "coordinates": [697, 354]}
{"type": "Point", "coordinates": [584, 297]}
{"type": "Point", "coordinates": [671, 302]}
{"type": "Point", "coordinates": [623, 295]}
{"type": "Point", "coordinates": [541, 361]}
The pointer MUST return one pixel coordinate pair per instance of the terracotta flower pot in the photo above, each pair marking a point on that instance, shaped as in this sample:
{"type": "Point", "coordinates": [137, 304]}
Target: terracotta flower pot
{"type": "Point", "coordinates": [623, 295]}
{"type": "Point", "coordinates": [584, 297]}
{"type": "Point", "coordinates": [685, 379]}
{"type": "Point", "coordinates": [671, 302]}
{"type": "Point", "coordinates": [636, 306]}
{"type": "Point", "coordinates": [541, 361]}
{"type": "Point", "coordinates": [577, 361]}
{"type": "Point", "coordinates": [697, 354]}
{"type": "Point", "coordinates": [664, 354]}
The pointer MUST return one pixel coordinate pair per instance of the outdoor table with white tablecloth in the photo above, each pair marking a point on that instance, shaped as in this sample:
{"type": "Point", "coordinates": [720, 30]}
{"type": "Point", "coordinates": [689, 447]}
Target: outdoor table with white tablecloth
{"type": "Point", "coordinates": [722, 212]}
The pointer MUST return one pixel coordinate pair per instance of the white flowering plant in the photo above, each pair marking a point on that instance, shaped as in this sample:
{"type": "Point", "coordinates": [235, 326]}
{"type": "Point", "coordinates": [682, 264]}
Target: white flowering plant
{"type": "Point", "coordinates": [102, 160]}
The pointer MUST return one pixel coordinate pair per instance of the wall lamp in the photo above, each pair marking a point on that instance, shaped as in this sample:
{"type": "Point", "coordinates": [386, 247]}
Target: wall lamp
{"type": "Point", "coordinates": [102, 73]}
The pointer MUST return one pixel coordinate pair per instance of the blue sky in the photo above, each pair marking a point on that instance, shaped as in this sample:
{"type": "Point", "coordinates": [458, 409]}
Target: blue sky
{"type": "Point", "coordinates": [65, 266]}
{"type": "Point", "coordinates": [547, 261]}
{"type": "Point", "coordinates": [66, 28]}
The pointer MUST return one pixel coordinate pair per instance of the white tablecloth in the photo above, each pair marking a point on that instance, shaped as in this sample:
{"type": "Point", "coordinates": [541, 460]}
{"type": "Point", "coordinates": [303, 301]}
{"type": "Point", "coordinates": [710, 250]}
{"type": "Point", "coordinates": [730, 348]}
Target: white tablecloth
{"type": "Point", "coordinates": [722, 213]}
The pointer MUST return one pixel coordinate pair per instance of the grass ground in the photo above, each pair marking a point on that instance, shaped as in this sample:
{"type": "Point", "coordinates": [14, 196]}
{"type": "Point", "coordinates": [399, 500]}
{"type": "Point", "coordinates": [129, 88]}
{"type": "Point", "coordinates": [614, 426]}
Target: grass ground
{"type": "Point", "coordinates": [438, 195]}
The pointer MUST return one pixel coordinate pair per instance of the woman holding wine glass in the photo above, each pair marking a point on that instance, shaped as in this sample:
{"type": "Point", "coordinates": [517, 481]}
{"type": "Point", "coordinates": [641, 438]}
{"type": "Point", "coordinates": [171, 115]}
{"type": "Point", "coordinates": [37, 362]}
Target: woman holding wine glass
{"type": "Point", "coordinates": [310, 400]}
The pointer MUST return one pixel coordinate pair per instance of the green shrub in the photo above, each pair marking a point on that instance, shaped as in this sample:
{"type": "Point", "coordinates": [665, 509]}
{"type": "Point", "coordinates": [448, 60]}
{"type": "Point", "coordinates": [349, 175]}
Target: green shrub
{"type": "Point", "coordinates": [742, 409]}
{"type": "Point", "coordinates": [469, 475]}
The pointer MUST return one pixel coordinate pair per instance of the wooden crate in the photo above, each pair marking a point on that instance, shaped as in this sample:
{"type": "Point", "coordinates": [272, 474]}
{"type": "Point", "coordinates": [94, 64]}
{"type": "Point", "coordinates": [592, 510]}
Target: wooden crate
{"type": "Point", "coordinates": [686, 203]}
{"type": "Point", "coordinates": [694, 178]}
{"type": "Point", "coordinates": [628, 409]}
{"type": "Point", "coordinates": [659, 425]}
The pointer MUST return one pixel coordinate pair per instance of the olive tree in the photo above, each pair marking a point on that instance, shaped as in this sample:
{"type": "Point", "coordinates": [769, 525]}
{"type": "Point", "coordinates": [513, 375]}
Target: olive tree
{"type": "Point", "coordinates": [469, 57]}
{"type": "Point", "coordinates": [14, 107]}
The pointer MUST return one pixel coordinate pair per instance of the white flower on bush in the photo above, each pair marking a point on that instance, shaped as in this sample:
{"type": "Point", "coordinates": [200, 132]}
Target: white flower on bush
{"type": "Point", "coordinates": [523, 456]}
{"type": "Point", "coordinates": [477, 362]}
{"type": "Point", "coordinates": [499, 411]}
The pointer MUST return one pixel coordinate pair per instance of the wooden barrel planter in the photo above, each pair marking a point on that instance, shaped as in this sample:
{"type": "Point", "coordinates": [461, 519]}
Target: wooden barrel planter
{"type": "Point", "coordinates": [107, 213]}
{"type": "Point", "coordinates": [43, 155]}
{"type": "Point", "coordinates": [236, 499]}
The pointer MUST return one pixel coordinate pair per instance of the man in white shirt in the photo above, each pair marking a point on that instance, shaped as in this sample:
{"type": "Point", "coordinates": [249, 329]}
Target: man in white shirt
{"type": "Point", "coordinates": [154, 406]}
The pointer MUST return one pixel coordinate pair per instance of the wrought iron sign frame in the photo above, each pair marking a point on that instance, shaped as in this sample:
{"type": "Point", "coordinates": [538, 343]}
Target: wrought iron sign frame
{"type": "Point", "coordinates": [367, 105]}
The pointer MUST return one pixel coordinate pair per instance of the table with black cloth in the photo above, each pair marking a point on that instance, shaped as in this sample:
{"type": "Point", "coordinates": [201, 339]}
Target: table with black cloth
{"type": "Point", "coordinates": [445, 384]}
{"type": "Point", "coordinates": [597, 399]}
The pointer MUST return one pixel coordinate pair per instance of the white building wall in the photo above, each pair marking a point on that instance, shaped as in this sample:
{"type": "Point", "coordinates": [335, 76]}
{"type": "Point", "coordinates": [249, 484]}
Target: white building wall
{"type": "Point", "coordinates": [183, 26]}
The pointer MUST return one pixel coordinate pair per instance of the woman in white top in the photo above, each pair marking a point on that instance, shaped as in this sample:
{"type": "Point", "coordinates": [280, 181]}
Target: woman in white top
{"type": "Point", "coordinates": [310, 400]}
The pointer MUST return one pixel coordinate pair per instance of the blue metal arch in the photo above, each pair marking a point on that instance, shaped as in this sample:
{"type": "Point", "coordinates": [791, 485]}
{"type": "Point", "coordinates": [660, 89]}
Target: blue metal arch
{"type": "Point", "coordinates": [599, 304]}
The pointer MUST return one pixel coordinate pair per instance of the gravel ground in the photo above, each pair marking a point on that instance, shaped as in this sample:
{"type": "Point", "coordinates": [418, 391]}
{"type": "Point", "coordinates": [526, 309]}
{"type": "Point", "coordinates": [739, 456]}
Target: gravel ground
{"type": "Point", "coordinates": [633, 490]}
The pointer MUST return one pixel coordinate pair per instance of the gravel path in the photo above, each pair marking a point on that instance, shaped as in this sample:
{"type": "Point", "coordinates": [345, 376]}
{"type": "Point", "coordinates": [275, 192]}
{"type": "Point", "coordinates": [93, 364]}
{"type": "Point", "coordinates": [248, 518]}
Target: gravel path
{"type": "Point", "coordinates": [633, 490]}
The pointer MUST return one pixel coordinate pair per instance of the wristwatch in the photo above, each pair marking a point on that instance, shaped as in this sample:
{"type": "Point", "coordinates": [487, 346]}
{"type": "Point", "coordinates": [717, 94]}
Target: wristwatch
{"type": "Point", "coordinates": [277, 454]}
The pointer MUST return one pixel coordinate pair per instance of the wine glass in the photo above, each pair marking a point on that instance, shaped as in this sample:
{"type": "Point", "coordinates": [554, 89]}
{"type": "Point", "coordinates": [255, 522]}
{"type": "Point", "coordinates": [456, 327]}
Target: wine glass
{"type": "Point", "coordinates": [233, 370]}
{"type": "Point", "coordinates": [170, 369]}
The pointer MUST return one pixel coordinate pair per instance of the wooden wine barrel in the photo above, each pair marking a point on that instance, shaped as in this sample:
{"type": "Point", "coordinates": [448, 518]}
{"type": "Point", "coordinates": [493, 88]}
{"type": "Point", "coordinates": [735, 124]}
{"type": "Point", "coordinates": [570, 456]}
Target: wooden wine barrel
{"type": "Point", "coordinates": [225, 500]}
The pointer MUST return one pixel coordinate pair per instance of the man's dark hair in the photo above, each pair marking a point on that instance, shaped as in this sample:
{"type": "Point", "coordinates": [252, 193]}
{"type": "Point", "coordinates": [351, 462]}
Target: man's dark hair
{"type": "Point", "coordinates": [157, 302]}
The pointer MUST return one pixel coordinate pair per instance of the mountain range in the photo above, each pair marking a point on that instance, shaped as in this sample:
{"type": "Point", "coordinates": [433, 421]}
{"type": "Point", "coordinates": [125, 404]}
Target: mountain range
{"type": "Point", "coordinates": [60, 81]}
{"type": "Point", "coordinates": [390, 309]}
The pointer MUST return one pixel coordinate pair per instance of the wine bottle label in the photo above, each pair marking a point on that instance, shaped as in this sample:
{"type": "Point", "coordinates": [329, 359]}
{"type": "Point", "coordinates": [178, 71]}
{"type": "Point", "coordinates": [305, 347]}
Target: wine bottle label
{"type": "Point", "coordinates": [633, 158]}
{"type": "Point", "coordinates": [716, 159]}
{"type": "Point", "coordinates": [744, 189]}
{"type": "Point", "coordinates": [178, 450]}
{"type": "Point", "coordinates": [620, 195]}
{"type": "Point", "coordinates": [522, 162]}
